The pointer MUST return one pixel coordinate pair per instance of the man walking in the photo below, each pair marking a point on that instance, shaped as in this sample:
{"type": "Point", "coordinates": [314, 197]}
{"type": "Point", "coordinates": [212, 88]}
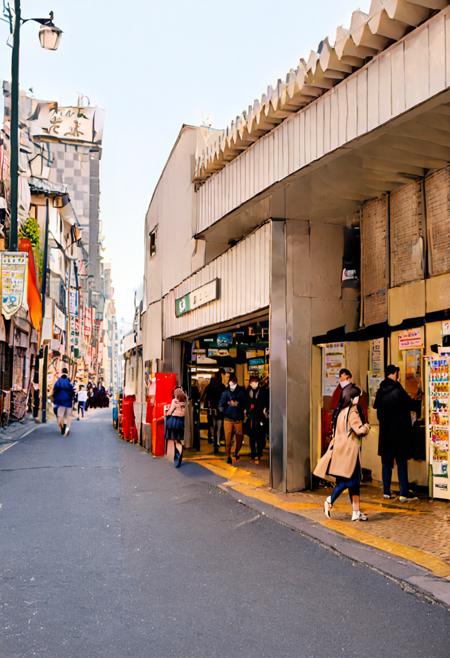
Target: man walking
{"type": "Point", "coordinates": [394, 406]}
{"type": "Point", "coordinates": [63, 394]}
{"type": "Point", "coordinates": [232, 405]}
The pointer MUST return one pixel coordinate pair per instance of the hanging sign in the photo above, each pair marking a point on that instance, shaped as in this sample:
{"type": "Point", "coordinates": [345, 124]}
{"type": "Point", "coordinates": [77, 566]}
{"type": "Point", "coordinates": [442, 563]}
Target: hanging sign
{"type": "Point", "coordinates": [13, 281]}
{"type": "Point", "coordinates": [199, 297]}
{"type": "Point", "coordinates": [410, 339]}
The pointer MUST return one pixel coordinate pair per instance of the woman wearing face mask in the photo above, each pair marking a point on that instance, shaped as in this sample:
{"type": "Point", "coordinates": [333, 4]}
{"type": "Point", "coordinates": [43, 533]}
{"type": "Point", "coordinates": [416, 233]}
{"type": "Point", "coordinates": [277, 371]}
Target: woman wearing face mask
{"type": "Point", "coordinates": [256, 418]}
{"type": "Point", "coordinates": [342, 459]}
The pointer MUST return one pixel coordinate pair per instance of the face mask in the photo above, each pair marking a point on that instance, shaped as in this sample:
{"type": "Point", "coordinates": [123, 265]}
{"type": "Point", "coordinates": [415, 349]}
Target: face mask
{"type": "Point", "coordinates": [344, 383]}
{"type": "Point", "coordinates": [254, 385]}
{"type": "Point", "coordinates": [233, 387]}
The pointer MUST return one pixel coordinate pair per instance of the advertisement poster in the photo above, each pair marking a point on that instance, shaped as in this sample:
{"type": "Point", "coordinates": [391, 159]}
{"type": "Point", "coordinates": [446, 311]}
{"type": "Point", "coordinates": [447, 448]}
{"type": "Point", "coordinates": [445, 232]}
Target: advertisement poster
{"type": "Point", "coordinates": [413, 372]}
{"type": "Point", "coordinates": [374, 380]}
{"type": "Point", "coordinates": [333, 359]}
{"type": "Point", "coordinates": [13, 281]}
{"type": "Point", "coordinates": [438, 425]}
{"type": "Point", "coordinates": [377, 356]}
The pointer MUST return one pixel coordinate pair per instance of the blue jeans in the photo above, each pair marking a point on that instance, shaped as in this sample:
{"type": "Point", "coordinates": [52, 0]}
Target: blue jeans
{"type": "Point", "coordinates": [402, 469]}
{"type": "Point", "coordinates": [352, 484]}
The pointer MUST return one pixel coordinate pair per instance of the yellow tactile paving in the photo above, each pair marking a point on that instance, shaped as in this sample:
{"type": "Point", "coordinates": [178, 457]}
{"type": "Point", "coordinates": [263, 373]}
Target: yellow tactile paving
{"type": "Point", "coordinates": [419, 533]}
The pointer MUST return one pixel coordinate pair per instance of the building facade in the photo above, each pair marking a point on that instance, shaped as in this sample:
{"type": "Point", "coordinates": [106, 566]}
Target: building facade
{"type": "Point", "coordinates": [60, 150]}
{"type": "Point", "coordinates": [312, 234]}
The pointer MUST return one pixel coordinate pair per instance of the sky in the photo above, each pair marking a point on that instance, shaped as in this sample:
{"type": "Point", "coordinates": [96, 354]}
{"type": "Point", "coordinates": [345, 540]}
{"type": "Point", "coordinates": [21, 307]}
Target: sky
{"type": "Point", "coordinates": [154, 65]}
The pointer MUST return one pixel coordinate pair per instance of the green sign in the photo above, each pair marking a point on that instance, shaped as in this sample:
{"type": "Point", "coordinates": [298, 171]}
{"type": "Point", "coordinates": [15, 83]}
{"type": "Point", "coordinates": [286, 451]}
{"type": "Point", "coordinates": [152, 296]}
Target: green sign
{"type": "Point", "coordinates": [198, 297]}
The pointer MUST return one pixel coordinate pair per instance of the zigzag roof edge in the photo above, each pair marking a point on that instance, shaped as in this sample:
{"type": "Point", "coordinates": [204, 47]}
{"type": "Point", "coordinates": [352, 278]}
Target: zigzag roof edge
{"type": "Point", "coordinates": [368, 34]}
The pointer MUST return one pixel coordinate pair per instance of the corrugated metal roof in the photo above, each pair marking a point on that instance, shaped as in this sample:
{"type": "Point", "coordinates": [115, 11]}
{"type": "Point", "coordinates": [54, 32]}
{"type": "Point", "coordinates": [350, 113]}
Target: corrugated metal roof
{"type": "Point", "coordinates": [368, 34]}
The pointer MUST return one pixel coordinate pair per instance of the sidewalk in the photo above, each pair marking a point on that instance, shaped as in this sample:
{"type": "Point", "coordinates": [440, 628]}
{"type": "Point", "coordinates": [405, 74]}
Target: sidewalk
{"type": "Point", "coordinates": [16, 431]}
{"type": "Point", "coordinates": [418, 531]}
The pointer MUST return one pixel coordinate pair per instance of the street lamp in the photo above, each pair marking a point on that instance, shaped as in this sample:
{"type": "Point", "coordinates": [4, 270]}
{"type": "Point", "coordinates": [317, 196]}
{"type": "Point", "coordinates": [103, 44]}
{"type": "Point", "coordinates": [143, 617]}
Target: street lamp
{"type": "Point", "coordinates": [49, 37]}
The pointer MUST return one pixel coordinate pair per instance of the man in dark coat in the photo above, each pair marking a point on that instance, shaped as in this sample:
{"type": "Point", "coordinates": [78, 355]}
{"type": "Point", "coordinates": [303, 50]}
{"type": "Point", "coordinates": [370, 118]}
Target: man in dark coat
{"type": "Point", "coordinates": [257, 415]}
{"type": "Point", "coordinates": [394, 406]}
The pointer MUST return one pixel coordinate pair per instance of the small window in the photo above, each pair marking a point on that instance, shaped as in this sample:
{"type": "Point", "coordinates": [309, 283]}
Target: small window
{"type": "Point", "coordinates": [152, 236]}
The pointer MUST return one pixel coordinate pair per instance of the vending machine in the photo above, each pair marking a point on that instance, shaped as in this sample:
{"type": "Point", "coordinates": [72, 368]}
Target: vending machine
{"type": "Point", "coordinates": [438, 398]}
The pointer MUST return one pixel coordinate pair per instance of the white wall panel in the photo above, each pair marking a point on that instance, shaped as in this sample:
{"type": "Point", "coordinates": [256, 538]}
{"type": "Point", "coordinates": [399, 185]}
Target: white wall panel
{"type": "Point", "coordinates": [244, 279]}
{"type": "Point", "coordinates": [401, 77]}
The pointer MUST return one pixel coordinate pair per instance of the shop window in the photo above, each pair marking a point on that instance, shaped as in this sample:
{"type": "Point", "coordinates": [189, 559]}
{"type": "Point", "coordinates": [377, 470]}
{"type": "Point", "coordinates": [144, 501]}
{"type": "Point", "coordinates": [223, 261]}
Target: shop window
{"type": "Point", "coordinates": [152, 242]}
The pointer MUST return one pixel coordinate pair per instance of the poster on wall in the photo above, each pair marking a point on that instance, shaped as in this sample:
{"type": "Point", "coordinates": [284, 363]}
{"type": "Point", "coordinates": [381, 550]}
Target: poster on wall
{"type": "Point", "coordinates": [13, 281]}
{"type": "Point", "coordinates": [333, 359]}
{"type": "Point", "coordinates": [377, 356]}
{"type": "Point", "coordinates": [413, 372]}
{"type": "Point", "coordinates": [374, 380]}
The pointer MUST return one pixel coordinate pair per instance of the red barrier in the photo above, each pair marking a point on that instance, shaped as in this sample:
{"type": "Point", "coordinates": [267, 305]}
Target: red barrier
{"type": "Point", "coordinates": [129, 429]}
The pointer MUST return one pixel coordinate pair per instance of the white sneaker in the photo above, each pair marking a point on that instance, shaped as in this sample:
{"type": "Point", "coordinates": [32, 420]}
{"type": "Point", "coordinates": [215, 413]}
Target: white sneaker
{"type": "Point", "coordinates": [407, 499]}
{"type": "Point", "coordinates": [327, 507]}
{"type": "Point", "coordinates": [388, 496]}
{"type": "Point", "coordinates": [66, 433]}
{"type": "Point", "coordinates": [359, 516]}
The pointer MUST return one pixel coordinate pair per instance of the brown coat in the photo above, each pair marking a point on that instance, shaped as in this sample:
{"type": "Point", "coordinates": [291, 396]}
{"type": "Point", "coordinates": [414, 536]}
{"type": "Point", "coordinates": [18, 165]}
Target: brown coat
{"type": "Point", "coordinates": [343, 452]}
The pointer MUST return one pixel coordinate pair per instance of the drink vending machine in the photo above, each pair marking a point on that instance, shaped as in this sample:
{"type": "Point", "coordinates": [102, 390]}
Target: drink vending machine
{"type": "Point", "coordinates": [438, 398]}
{"type": "Point", "coordinates": [160, 396]}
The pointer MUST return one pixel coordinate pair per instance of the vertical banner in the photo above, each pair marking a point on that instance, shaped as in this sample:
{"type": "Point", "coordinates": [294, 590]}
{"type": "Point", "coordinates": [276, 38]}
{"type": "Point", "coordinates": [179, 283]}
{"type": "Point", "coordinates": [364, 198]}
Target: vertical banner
{"type": "Point", "coordinates": [13, 281]}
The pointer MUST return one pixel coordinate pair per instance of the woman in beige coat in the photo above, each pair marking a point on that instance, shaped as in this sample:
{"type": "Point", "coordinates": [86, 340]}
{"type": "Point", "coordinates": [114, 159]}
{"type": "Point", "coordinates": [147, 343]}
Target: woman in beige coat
{"type": "Point", "coordinates": [342, 459]}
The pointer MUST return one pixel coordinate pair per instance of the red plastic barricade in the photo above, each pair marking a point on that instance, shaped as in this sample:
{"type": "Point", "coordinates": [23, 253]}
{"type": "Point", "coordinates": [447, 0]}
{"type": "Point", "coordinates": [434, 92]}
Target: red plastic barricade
{"type": "Point", "coordinates": [161, 394]}
{"type": "Point", "coordinates": [129, 430]}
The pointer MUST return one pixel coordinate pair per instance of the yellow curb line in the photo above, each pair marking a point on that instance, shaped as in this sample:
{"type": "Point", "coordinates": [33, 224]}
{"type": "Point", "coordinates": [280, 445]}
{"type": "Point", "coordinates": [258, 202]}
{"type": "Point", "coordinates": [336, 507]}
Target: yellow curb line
{"type": "Point", "coordinates": [244, 482]}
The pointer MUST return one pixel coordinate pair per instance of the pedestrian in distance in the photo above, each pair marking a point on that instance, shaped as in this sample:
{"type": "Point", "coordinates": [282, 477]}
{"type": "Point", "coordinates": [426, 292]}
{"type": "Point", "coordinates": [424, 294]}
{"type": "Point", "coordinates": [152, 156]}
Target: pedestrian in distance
{"type": "Point", "coordinates": [394, 407]}
{"type": "Point", "coordinates": [175, 424]}
{"type": "Point", "coordinates": [256, 418]}
{"type": "Point", "coordinates": [232, 405]}
{"type": "Point", "coordinates": [82, 399]}
{"type": "Point", "coordinates": [342, 460]}
{"type": "Point", "coordinates": [63, 395]}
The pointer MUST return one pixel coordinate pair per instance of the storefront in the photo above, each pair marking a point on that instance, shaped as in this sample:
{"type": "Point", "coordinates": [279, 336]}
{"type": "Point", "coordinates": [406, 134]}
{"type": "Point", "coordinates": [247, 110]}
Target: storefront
{"type": "Point", "coordinates": [423, 355]}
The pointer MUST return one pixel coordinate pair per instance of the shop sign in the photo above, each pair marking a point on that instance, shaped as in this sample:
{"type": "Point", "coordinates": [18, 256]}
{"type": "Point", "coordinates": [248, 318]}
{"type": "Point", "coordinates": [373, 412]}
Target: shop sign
{"type": "Point", "coordinates": [68, 124]}
{"type": "Point", "coordinates": [60, 319]}
{"type": "Point", "coordinates": [258, 361]}
{"type": "Point", "coordinates": [198, 350]}
{"type": "Point", "coordinates": [13, 281]}
{"type": "Point", "coordinates": [217, 352]}
{"type": "Point", "coordinates": [199, 297]}
{"type": "Point", "coordinates": [73, 301]}
{"type": "Point", "coordinates": [410, 339]}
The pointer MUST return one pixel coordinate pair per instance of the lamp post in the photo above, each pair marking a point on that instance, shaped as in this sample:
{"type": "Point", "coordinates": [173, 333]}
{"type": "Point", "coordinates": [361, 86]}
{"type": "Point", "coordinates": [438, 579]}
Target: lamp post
{"type": "Point", "coordinates": [49, 37]}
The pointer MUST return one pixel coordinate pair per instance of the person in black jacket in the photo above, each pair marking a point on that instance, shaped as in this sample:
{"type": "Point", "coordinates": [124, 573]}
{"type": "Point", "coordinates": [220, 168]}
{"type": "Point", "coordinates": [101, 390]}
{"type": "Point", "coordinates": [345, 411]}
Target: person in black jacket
{"type": "Point", "coordinates": [232, 405]}
{"type": "Point", "coordinates": [257, 414]}
{"type": "Point", "coordinates": [211, 396]}
{"type": "Point", "coordinates": [394, 406]}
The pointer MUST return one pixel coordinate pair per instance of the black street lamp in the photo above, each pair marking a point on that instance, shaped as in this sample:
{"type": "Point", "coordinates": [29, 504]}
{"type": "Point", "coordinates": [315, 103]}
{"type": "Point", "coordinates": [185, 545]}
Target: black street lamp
{"type": "Point", "coordinates": [49, 37]}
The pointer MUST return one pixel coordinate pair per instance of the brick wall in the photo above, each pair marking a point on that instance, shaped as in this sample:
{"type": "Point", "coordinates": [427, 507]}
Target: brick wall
{"type": "Point", "coordinates": [406, 234]}
{"type": "Point", "coordinates": [374, 263]}
{"type": "Point", "coordinates": [437, 200]}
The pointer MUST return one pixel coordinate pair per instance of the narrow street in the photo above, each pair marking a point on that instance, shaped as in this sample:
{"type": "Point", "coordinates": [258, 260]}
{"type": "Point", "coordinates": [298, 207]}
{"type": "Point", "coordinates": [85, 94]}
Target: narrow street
{"type": "Point", "coordinates": [108, 552]}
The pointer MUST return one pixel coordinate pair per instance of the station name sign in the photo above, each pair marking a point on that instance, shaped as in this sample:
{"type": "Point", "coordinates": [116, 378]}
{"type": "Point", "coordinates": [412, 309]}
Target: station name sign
{"type": "Point", "coordinates": [199, 297]}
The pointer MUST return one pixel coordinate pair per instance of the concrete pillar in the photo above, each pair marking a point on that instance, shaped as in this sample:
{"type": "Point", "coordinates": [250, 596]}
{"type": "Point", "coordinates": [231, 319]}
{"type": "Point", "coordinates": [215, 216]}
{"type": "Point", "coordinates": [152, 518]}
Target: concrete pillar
{"type": "Point", "coordinates": [306, 300]}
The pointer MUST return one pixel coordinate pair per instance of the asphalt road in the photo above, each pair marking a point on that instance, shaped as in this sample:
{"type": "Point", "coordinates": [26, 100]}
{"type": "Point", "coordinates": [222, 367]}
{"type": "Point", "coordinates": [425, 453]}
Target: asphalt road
{"type": "Point", "coordinates": [106, 552]}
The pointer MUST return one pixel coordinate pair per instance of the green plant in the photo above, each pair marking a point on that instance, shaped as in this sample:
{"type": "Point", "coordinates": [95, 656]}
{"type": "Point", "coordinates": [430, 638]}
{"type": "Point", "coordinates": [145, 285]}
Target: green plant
{"type": "Point", "coordinates": [30, 230]}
